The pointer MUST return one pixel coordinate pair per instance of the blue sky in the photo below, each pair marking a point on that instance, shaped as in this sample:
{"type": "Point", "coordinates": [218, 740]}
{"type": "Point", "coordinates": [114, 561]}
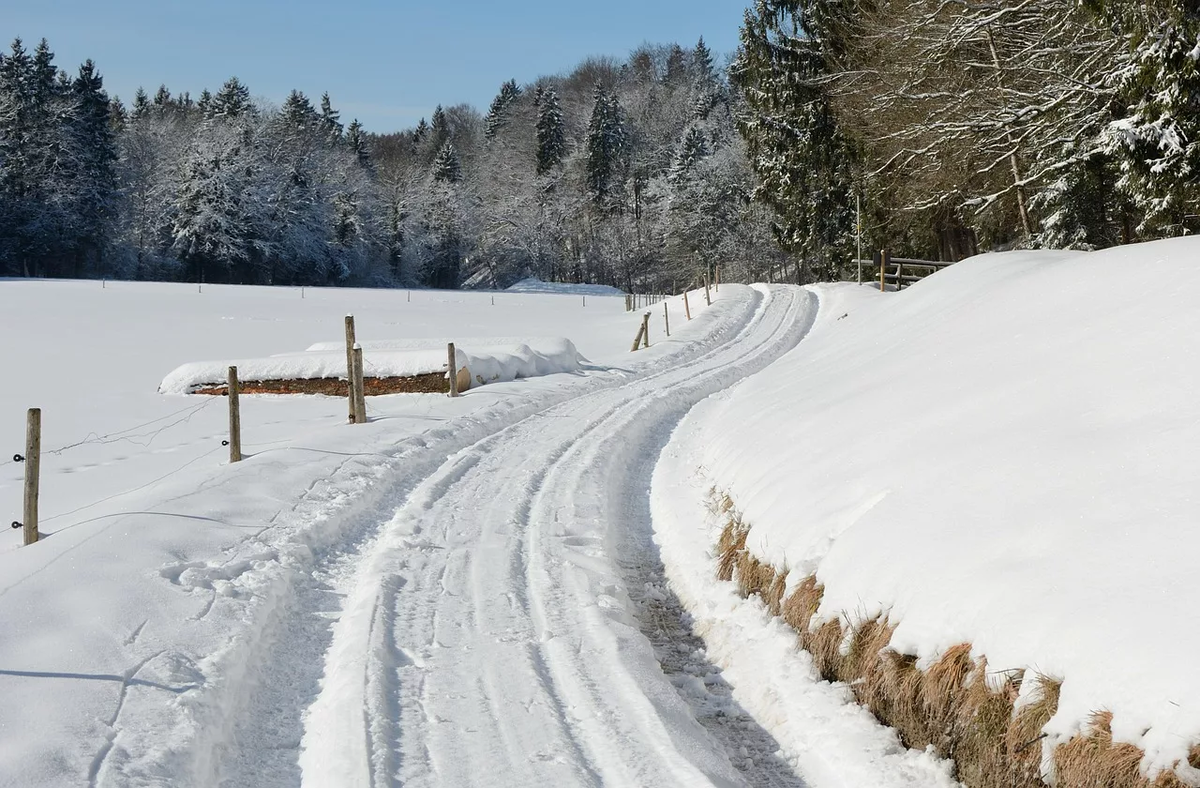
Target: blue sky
{"type": "Point", "coordinates": [387, 63]}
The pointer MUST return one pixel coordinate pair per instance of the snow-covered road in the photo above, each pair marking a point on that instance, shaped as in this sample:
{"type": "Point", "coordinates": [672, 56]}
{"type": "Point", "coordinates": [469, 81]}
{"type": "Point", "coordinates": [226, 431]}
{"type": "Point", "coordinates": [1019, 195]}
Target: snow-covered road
{"type": "Point", "coordinates": [490, 632]}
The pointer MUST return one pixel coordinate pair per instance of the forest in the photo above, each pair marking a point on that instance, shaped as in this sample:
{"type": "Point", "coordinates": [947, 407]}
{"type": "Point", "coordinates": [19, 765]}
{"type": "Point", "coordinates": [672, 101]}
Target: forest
{"type": "Point", "coordinates": [938, 129]}
{"type": "Point", "coordinates": [630, 173]}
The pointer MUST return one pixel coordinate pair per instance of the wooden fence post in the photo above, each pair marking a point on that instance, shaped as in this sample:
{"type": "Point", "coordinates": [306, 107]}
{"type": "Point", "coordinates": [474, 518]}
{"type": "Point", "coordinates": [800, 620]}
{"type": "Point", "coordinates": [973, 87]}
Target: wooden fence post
{"type": "Point", "coordinates": [718, 278]}
{"type": "Point", "coordinates": [33, 465]}
{"type": "Point", "coordinates": [360, 390]}
{"type": "Point", "coordinates": [885, 262]}
{"type": "Point", "coordinates": [667, 318]}
{"type": "Point", "coordinates": [707, 296]}
{"type": "Point", "coordinates": [637, 341]}
{"type": "Point", "coordinates": [350, 342]}
{"type": "Point", "coordinates": [687, 309]}
{"type": "Point", "coordinates": [646, 329]}
{"type": "Point", "coordinates": [452, 368]}
{"type": "Point", "coordinates": [235, 417]}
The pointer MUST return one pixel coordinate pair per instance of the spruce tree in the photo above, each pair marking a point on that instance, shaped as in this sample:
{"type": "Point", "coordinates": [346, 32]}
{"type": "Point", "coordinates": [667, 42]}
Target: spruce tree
{"type": "Point", "coordinates": [92, 180]}
{"type": "Point", "coordinates": [509, 93]}
{"type": "Point", "coordinates": [606, 149]}
{"type": "Point", "coordinates": [204, 105]}
{"type": "Point", "coordinates": [446, 168]}
{"type": "Point", "coordinates": [676, 66]}
{"type": "Point", "coordinates": [330, 120]}
{"type": "Point", "coordinates": [356, 138]}
{"type": "Point", "coordinates": [231, 101]}
{"type": "Point", "coordinates": [439, 128]}
{"type": "Point", "coordinates": [162, 100]}
{"type": "Point", "coordinates": [692, 149]}
{"type": "Point", "coordinates": [17, 174]}
{"type": "Point", "coordinates": [298, 112]}
{"type": "Point", "coordinates": [141, 103]}
{"type": "Point", "coordinates": [803, 162]}
{"type": "Point", "coordinates": [551, 132]}
{"type": "Point", "coordinates": [702, 63]}
{"type": "Point", "coordinates": [1158, 139]}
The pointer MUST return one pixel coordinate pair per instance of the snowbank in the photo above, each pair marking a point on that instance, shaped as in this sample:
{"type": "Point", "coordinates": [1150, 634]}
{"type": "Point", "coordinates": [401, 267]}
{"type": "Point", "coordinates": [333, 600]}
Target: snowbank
{"type": "Point", "coordinates": [1006, 454]}
{"type": "Point", "coordinates": [533, 285]}
{"type": "Point", "coordinates": [489, 361]}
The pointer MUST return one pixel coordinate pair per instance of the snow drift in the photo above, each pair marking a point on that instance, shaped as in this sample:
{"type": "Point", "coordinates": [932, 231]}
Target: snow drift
{"type": "Point", "coordinates": [489, 361]}
{"type": "Point", "coordinates": [1006, 455]}
{"type": "Point", "coordinates": [534, 285]}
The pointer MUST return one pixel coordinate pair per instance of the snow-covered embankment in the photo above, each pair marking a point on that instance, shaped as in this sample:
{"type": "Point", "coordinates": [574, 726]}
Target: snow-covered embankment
{"type": "Point", "coordinates": [1004, 455]}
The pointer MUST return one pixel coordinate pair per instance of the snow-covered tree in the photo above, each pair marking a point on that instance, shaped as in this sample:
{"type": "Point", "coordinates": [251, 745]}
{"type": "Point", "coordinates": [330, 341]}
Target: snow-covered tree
{"type": "Point", "coordinates": [509, 93]}
{"type": "Point", "coordinates": [551, 132]}
{"type": "Point", "coordinates": [446, 167]}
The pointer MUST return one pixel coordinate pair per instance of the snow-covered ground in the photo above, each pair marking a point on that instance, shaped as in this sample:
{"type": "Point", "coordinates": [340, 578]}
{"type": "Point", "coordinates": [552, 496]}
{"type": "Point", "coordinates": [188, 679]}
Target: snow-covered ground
{"type": "Point", "coordinates": [516, 587]}
{"type": "Point", "coordinates": [1004, 454]}
{"type": "Point", "coordinates": [131, 631]}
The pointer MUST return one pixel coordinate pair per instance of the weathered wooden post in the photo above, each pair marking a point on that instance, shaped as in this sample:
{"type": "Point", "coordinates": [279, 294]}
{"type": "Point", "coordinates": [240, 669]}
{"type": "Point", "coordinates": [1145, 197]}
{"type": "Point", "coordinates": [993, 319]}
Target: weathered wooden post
{"type": "Point", "coordinates": [350, 365]}
{"type": "Point", "coordinates": [452, 368]}
{"type": "Point", "coordinates": [235, 416]}
{"type": "Point", "coordinates": [360, 392]}
{"type": "Point", "coordinates": [646, 329]}
{"type": "Point", "coordinates": [718, 278]}
{"type": "Point", "coordinates": [885, 261]}
{"type": "Point", "coordinates": [33, 466]}
{"type": "Point", "coordinates": [707, 295]}
{"type": "Point", "coordinates": [637, 341]}
{"type": "Point", "coordinates": [686, 309]}
{"type": "Point", "coordinates": [667, 318]}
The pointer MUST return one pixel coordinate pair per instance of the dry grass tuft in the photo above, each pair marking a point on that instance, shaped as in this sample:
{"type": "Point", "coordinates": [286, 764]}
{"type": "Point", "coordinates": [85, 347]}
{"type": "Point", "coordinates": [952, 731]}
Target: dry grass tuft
{"type": "Point", "coordinates": [1094, 759]}
{"type": "Point", "coordinates": [803, 603]}
{"type": "Point", "coordinates": [952, 706]}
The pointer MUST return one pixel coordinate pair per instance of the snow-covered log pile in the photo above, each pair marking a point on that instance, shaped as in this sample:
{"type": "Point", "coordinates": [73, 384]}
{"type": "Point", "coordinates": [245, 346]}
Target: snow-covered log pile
{"type": "Point", "coordinates": [395, 362]}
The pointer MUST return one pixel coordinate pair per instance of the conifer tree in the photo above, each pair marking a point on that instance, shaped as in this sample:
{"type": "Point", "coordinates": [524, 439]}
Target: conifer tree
{"type": "Point", "coordinates": [509, 93]}
{"type": "Point", "coordinates": [551, 132]}
{"type": "Point", "coordinates": [141, 103]}
{"type": "Point", "coordinates": [802, 160]}
{"type": "Point", "coordinates": [1158, 139]}
{"type": "Point", "coordinates": [356, 138]}
{"type": "Point", "coordinates": [162, 100]}
{"type": "Point", "coordinates": [446, 167]}
{"type": "Point", "coordinates": [298, 111]}
{"type": "Point", "coordinates": [702, 60]}
{"type": "Point", "coordinates": [232, 100]}
{"type": "Point", "coordinates": [440, 128]}
{"type": "Point", "coordinates": [91, 182]}
{"type": "Point", "coordinates": [692, 149]}
{"type": "Point", "coordinates": [330, 120]}
{"type": "Point", "coordinates": [606, 148]}
{"type": "Point", "coordinates": [204, 104]}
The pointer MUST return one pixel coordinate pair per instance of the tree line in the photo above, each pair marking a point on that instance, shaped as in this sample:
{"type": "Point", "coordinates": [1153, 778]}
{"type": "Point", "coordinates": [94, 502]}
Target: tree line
{"type": "Point", "coordinates": [625, 172]}
{"type": "Point", "coordinates": [964, 126]}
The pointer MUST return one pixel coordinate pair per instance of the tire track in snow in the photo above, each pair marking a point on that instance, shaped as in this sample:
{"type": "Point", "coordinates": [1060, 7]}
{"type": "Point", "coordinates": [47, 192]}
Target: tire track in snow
{"type": "Point", "coordinates": [531, 662]}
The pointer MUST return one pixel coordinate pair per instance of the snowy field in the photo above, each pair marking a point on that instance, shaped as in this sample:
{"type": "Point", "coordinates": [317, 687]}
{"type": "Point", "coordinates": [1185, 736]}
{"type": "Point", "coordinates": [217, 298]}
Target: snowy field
{"type": "Point", "coordinates": [1005, 454]}
{"type": "Point", "coordinates": [127, 620]}
{"type": "Point", "coordinates": [517, 587]}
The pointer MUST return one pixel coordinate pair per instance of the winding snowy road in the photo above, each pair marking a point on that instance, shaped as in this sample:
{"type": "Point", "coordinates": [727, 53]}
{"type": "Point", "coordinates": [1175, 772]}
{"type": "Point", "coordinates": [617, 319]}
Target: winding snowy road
{"type": "Point", "coordinates": [492, 631]}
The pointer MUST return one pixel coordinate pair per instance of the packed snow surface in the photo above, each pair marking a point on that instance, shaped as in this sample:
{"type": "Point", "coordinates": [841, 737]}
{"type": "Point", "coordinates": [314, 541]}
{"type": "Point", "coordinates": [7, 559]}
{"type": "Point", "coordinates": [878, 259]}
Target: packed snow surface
{"type": "Point", "coordinates": [1005, 454]}
{"type": "Point", "coordinates": [489, 362]}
